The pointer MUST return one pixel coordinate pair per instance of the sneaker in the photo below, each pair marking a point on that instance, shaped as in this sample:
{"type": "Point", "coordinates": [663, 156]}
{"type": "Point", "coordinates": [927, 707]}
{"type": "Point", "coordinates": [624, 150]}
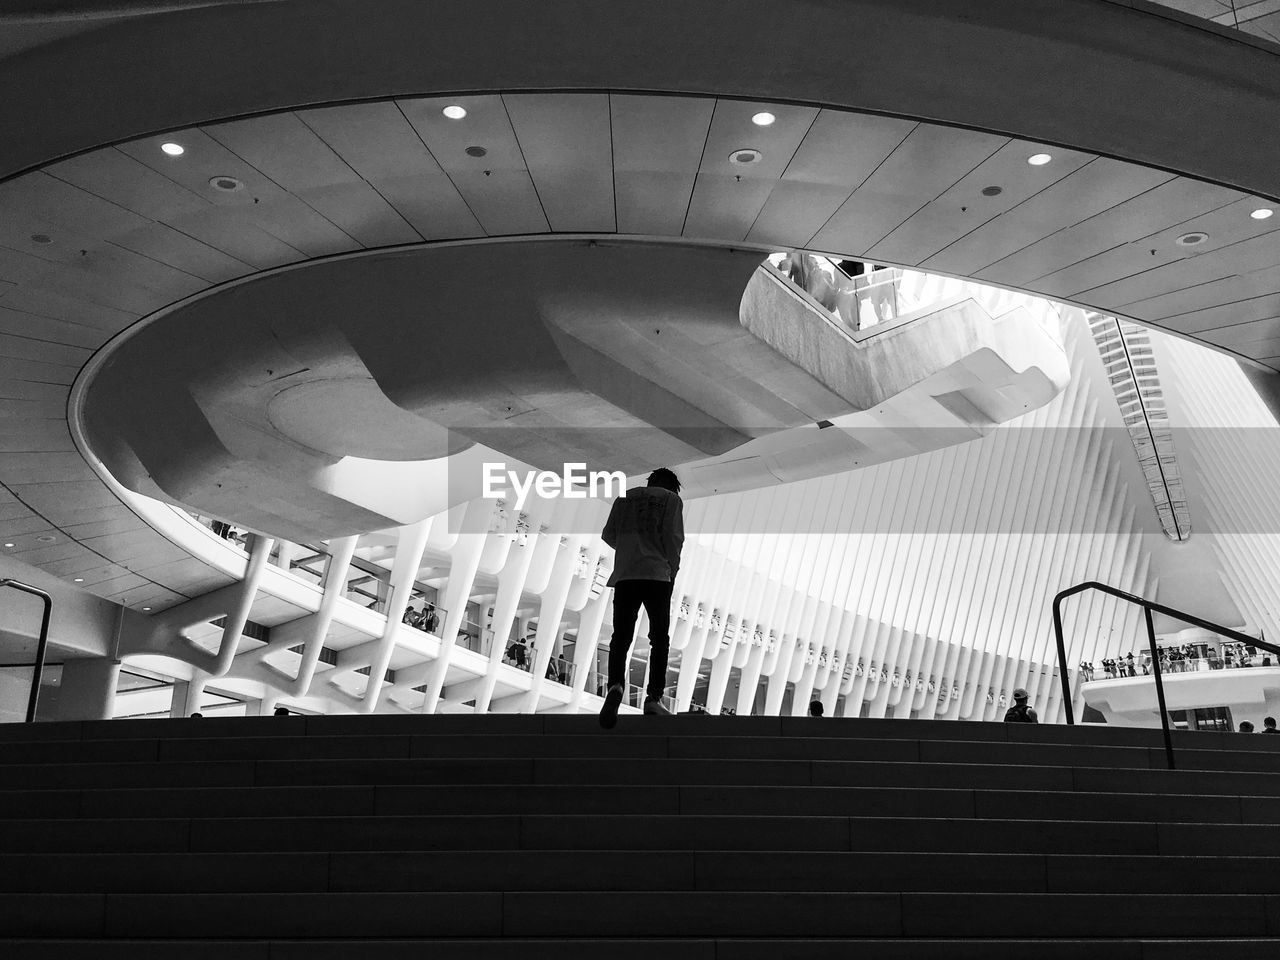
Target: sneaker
{"type": "Point", "coordinates": [609, 712]}
{"type": "Point", "coordinates": [654, 708]}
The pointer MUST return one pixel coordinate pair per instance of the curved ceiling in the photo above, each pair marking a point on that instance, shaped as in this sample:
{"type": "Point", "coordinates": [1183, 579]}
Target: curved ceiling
{"type": "Point", "coordinates": [92, 243]}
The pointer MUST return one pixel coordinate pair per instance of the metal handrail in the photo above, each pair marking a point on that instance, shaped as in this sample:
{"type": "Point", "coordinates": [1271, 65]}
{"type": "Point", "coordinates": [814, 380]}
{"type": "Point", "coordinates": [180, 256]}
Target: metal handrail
{"type": "Point", "coordinates": [41, 646]}
{"type": "Point", "coordinates": [1148, 607]}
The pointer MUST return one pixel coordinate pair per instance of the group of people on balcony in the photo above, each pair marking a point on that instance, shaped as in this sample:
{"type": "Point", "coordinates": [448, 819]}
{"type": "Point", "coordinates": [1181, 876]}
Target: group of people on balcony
{"type": "Point", "coordinates": [522, 653]}
{"type": "Point", "coordinates": [1187, 658]}
{"type": "Point", "coordinates": [424, 619]}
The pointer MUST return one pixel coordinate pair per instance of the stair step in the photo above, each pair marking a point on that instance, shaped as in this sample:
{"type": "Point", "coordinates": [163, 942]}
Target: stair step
{"type": "Point", "coordinates": [401, 871]}
{"type": "Point", "coordinates": [607, 914]}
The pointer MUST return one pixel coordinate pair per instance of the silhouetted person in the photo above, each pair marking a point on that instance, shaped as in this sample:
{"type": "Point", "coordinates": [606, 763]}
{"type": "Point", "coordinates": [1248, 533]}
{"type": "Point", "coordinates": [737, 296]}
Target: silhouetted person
{"type": "Point", "coordinates": [280, 712]}
{"type": "Point", "coordinates": [646, 530]}
{"type": "Point", "coordinates": [1269, 725]}
{"type": "Point", "coordinates": [1021, 711]}
{"type": "Point", "coordinates": [197, 715]}
{"type": "Point", "coordinates": [1246, 726]}
{"type": "Point", "coordinates": [816, 708]}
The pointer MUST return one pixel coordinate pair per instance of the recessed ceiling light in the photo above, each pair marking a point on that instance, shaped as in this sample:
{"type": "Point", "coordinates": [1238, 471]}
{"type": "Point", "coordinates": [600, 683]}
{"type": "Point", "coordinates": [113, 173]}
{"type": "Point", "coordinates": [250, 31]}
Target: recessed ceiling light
{"type": "Point", "coordinates": [1262, 213]}
{"type": "Point", "coordinates": [1191, 239]}
{"type": "Point", "coordinates": [8, 544]}
{"type": "Point", "coordinates": [454, 111]}
{"type": "Point", "coordinates": [992, 191]}
{"type": "Point", "coordinates": [41, 238]}
{"type": "Point", "coordinates": [474, 151]}
{"type": "Point", "coordinates": [763, 119]}
{"type": "Point", "coordinates": [146, 608]}
{"type": "Point", "coordinates": [1039, 159]}
{"type": "Point", "coordinates": [46, 539]}
{"type": "Point", "coordinates": [745, 155]}
{"type": "Point", "coordinates": [79, 579]}
{"type": "Point", "coordinates": [173, 149]}
{"type": "Point", "coordinates": [226, 184]}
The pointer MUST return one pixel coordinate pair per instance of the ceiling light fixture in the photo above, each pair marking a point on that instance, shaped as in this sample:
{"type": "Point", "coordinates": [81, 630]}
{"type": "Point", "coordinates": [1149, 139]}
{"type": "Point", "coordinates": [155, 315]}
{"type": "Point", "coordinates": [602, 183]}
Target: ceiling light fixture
{"type": "Point", "coordinates": [79, 579]}
{"type": "Point", "coordinates": [46, 539]}
{"type": "Point", "coordinates": [9, 544]}
{"type": "Point", "coordinates": [173, 149]}
{"type": "Point", "coordinates": [745, 155]}
{"type": "Point", "coordinates": [474, 151]}
{"type": "Point", "coordinates": [146, 608]}
{"type": "Point", "coordinates": [454, 111]}
{"type": "Point", "coordinates": [1262, 213]}
{"type": "Point", "coordinates": [1039, 159]}
{"type": "Point", "coordinates": [41, 238]}
{"type": "Point", "coordinates": [226, 184]}
{"type": "Point", "coordinates": [763, 119]}
{"type": "Point", "coordinates": [992, 191]}
{"type": "Point", "coordinates": [1192, 239]}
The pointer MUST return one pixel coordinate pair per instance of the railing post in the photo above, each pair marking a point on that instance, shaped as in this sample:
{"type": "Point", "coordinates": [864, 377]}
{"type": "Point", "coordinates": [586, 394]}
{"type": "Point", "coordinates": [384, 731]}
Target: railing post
{"type": "Point", "coordinates": [1062, 660]}
{"type": "Point", "coordinates": [41, 646]}
{"type": "Point", "coordinates": [1155, 665]}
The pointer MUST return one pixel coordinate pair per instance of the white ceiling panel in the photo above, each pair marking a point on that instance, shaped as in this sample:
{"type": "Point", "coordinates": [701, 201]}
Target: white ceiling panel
{"type": "Point", "coordinates": [90, 565]}
{"type": "Point", "coordinates": [39, 392]}
{"type": "Point", "coordinates": [123, 180]}
{"type": "Point", "coordinates": [1225, 315]}
{"type": "Point", "coordinates": [1224, 223]}
{"type": "Point", "coordinates": [1095, 187]}
{"type": "Point", "coordinates": [657, 146]}
{"type": "Point", "coordinates": [26, 524]}
{"type": "Point", "coordinates": [795, 211]}
{"type": "Point", "coordinates": [659, 134]}
{"type": "Point", "coordinates": [45, 553]}
{"type": "Point", "coordinates": [496, 186]}
{"type": "Point", "coordinates": [65, 206]}
{"type": "Point", "coordinates": [373, 139]}
{"type": "Point", "coordinates": [35, 371]}
{"type": "Point", "coordinates": [567, 147]}
{"type": "Point", "coordinates": [284, 149]}
{"type": "Point", "coordinates": [136, 543]}
{"type": "Point", "coordinates": [379, 143]}
{"type": "Point", "coordinates": [79, 281]}
{"type": "Point", "coordinates": [963, 207]}
{"type": "Point", "coordinates": [107, 525]}
{"type": "Point", "coordinates": [32, 409]}
{"type": "Point", "coordinates": [1097, 243]}
{"type": "Point", "coordinates": [34, 435]}
{"type": "Point", "coordinates": [732, 130]}
{"type": "Point", "coordinates": [926, 163]}
{"type": "Point", "coordinates": [652, 203]}
{"type": "Point", "coordinates": [1257, 335]}
{"type": "Point", "coordinates": [225, 229]}
{"type": "Point", "coordinates": [47, 351]}
{"type": "Point", "coordinates": [299, 225]}
{"type": "Point", "coordinates": [486, 126]}
{"type": "Point", "coordinates": [62, 306]}
{"type": "Point", "coordinates": [504, 201]}
{"type": "Point", "coordinates": [60, 502]}
{"type": "Point", "coordinates": [164, 244]}
{"type": "Point", "coordinates": [843, 149]}
{"type": "Point", "coordinates": [362, 213]}
{"type": "Point", "coordinates": [19, 323]}
{"type": "Point", "coordinates": [724, 207]}
{"type": "Point", "coordinates": [1215, 293]}
{"type": "Point", "coordinates": [1245, 256]}
{"type": "Point", "coordinates": [204, 159]}
{"type": "Point", "coordinates": [432, 205]}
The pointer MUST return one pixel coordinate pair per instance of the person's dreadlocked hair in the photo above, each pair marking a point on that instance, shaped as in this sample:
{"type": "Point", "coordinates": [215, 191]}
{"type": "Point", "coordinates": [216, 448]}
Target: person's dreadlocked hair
{"type": "Point", "coordinates": [665, 478]}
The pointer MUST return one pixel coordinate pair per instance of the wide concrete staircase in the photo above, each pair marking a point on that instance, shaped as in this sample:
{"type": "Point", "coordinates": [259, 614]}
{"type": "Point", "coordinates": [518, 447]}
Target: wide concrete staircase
{"type": "Point", "coordinates": [685, 837]}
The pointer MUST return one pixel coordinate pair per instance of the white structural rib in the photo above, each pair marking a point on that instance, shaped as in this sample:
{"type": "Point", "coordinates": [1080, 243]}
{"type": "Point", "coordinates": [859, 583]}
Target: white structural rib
{"type": "Point", "coordinates": [1126, 354]}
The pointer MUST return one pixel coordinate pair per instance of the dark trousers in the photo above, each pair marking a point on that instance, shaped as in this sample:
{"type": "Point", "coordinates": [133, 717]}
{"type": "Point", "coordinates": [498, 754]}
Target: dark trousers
{"type": "Point", "coordinates": [628, 597]}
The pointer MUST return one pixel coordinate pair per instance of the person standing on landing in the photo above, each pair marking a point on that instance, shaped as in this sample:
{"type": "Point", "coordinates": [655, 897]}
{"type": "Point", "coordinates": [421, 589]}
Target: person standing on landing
{"type": "Point", "coordinates": [646, 530]}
